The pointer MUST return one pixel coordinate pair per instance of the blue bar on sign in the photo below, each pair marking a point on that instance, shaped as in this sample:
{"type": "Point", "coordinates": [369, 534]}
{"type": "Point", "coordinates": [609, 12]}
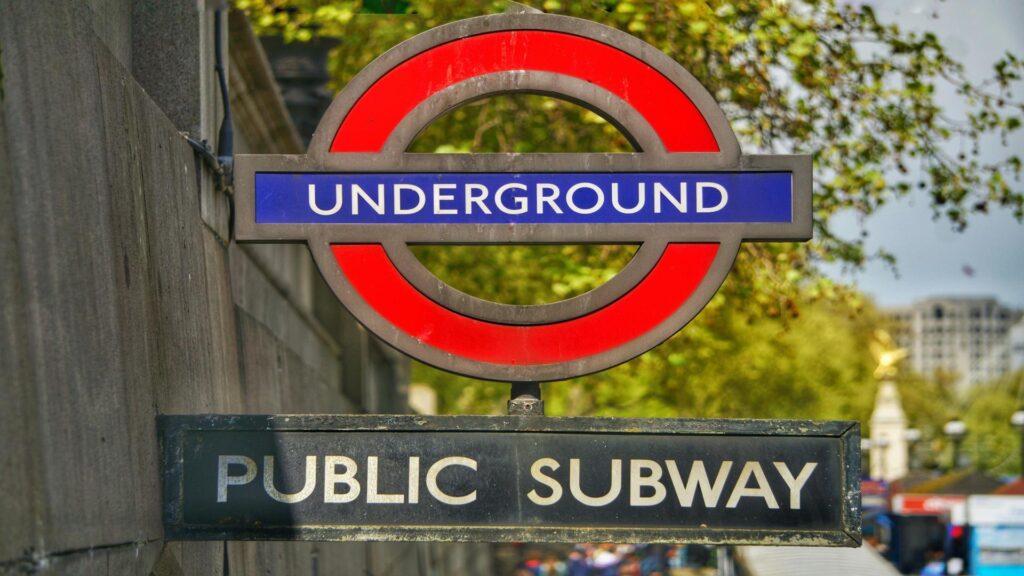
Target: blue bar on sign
{"type": "Point", "coordinates": [523, 198]}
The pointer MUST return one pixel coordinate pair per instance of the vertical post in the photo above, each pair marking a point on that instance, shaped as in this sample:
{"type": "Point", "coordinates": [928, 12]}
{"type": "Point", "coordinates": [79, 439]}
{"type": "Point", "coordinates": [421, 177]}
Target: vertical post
{"type": "Point", "coordinates": [912, 436]}
{"type": "Point", "coordinates": [865, 458]}
{"type": "Point", "coordinates": [525, 400]}
{"type": "Point", "coordinates": [1017, 421]}
{"type": "Point", "coordinates": [724, 561]}
{"type": "Point", "coordinates": [956, 454]}
{"type": "Point", "coordinates": [956, 430]}
{"type": "Point", "coordinates": [1022, 453]}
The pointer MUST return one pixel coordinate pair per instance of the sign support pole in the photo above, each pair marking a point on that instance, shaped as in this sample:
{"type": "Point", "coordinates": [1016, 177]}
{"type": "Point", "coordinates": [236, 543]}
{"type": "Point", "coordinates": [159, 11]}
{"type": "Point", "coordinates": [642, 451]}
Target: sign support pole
{"type": "Point", "coordinates": [525, 400]}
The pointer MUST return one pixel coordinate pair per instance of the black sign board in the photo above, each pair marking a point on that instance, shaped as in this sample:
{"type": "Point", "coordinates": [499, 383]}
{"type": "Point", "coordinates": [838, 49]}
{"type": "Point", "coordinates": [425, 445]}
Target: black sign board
{"type": "Point", "coordinates": [480, 478]}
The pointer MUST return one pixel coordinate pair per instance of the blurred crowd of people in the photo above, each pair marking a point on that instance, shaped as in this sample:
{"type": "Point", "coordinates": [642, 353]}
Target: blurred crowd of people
{"type": "Point", "coordinates": [620, 560]}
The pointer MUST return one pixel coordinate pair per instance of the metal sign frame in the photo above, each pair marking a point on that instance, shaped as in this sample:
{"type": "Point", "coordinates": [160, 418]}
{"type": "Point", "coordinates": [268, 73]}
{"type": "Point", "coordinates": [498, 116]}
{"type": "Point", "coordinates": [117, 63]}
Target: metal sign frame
{"type": "Point", "coordinates": [348, 255]}
{"type": "Point", "coordinates": [174, 431]}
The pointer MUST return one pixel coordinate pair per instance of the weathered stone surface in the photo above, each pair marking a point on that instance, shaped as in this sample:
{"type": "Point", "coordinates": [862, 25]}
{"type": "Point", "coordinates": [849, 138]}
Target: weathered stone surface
{"type": "Point", "coordinates": [84, 330]}
{"type": "Point", "coordinates": [276, 379]}
{"type": "Point", "coordinates": [112, 21]}
{"type": "Point", "coordinates": [290, 269]}
{"type": "Point", "coordinates": [256, 293]}
{"type": "Point", "coordinates": [166, 61]}
{"type": "Point", "coordinates": [120, 298]}
{"type": "Point", "coordinates": [18, 442]}
{"type": "Point", "coordinates": [130, 558]}
{"type": "Point", "coordinates": [256, 100]}
{"type": "Point", "coordinates": [227, 391]}
{"type": "Point", "coordinates": [197, 558]}
{"type": "Point", "coordinates": [470, 558]}
{"type": "Point", "coordinates": [397, 558]}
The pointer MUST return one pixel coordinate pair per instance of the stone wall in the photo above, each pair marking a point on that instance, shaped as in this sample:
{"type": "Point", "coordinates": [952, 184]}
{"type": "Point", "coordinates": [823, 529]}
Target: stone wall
{"type": "Point", "coordinates": [122, 297]}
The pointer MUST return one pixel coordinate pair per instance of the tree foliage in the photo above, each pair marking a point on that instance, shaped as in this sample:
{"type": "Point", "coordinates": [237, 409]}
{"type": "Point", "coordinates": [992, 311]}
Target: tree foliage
{"type": "Point", "coordinates": [991, 443]}
{"type": "Point", "coordinates": [815, 76]}
{"type": "Point", "coordinates": [929, 403]}
{"type": "Point", "coordinates": [732, 362]}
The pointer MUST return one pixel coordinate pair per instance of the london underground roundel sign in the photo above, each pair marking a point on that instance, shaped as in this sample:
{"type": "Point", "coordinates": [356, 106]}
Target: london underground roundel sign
{"type": "Point", "coordinates": [687, 197]}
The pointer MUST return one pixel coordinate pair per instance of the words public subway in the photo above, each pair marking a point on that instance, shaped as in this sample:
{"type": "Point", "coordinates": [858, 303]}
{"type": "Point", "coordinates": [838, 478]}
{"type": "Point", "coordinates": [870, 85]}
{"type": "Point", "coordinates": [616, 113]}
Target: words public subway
{"type": "Point", "coordinates": [634, 482]}
{"type": "Point", "coordinates": [443, 478]}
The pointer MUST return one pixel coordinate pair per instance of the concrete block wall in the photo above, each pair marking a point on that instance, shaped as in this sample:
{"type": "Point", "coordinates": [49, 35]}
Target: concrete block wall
{"type": "Point", "coordinates": [122, 297]}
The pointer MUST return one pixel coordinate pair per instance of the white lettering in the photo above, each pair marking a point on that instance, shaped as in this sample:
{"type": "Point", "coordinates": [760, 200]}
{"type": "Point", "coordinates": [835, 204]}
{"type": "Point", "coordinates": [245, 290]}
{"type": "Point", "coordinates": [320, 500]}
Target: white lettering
{"type": "Point", "coordinates": [548, 199]}
{"type": "Point", "coordinates": [436, 469]}
{"type": "Point", "coordinates": [639, 480]}
{"type": "Point", "coordinates": [520, 201]}
{"type": "Point", "coordinates": [613, 489]}
{"type": "Point", "coordinates": [763, 490]}
{"type": "Point", "coordinates": [477, 199]}
{"type": "Point", "coordinates": [421, 199]}
{"type": "Point", "coordinates": [372, 494]}
{"type": "Point", "coordinates": [537, 471]}
{"type": "Point", "coordinates": [570, 198]}
{"type": "Point", "coordinates": [795, 484]}
{"type": "Point", "coordinates": [439, 197]}
{"type": "Point", "coordinates": [661, 192]}
{"type": "Point", "coordinates": [698, 478]}
{"type": "Point", "coordinates": [414, 479]}
{"type": "Point", "coordinates": [640, 199]}
{"type": "Point", "coordinates": [333, 210]}
{"type": "Point", "coordinates": [224, 479]}
{"type": "Point", "coordinates": [332, 479]}
{"type": "Point", "coordinates": [723, 200]}
{"type": "Point", "coordinates": [307, 487]}
{"type": "Point", "coordinates": [358, 192]}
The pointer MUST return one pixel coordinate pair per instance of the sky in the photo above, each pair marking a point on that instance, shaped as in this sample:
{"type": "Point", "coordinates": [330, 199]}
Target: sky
{"type": "Point", "coordinates": [931, 257]}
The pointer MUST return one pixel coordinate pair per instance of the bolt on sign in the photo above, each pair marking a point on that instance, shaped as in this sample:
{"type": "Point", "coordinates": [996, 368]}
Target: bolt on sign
{"type": "Point", "coordinates": [358, 199]}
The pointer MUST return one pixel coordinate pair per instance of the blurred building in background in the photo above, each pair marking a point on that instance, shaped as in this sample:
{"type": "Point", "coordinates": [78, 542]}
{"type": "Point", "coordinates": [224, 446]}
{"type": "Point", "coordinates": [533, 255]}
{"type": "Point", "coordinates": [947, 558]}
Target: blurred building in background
{"type": "Point", "coordinates": [968, 338]}
{"type": "Point", "coordinates": [1016, 343]}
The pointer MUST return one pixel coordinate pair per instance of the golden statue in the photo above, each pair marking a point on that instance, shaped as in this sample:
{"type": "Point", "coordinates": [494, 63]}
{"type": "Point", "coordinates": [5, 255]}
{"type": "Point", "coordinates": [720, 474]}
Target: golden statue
{"type": "Point", "coordinates": [888, 355]}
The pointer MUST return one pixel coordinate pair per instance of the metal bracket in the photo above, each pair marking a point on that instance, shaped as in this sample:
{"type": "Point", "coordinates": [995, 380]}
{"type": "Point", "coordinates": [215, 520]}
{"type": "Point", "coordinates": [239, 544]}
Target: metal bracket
{"type": "Point", "coordinates": [526, 400]}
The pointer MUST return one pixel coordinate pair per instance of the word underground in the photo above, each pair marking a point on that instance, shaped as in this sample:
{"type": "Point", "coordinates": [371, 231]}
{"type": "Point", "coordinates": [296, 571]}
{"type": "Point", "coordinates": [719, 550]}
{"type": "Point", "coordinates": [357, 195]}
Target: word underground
{"type": "Point", "coordinates": [649, 482]}
{"type": "Point", "coordinates": [425, 198]}
{"type": "Point", "coordinates": [515, 198]}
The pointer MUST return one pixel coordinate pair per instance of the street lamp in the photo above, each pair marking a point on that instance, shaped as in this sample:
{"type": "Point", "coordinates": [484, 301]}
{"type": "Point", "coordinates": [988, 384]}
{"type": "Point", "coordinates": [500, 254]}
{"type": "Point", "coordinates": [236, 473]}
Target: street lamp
{"type": "Point", "coordinates": [912, 436]}
{"type": "Point", "coordinates": [955, 430]}
{"type": "Point", "coordinates": [1018, 422]}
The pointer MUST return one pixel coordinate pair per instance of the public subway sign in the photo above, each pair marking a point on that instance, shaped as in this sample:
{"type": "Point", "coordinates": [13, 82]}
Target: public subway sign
{"type": "Point", "coordinates": [510, 479]}
{"type": "Point", "coordinates": [687, 196]}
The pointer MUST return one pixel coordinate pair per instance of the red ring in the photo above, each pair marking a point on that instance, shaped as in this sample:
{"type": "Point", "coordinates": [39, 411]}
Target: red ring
{"type": "Point", "coordinates": [671, 282]}
{"type": "Point", "coordinates": [672, 115]}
